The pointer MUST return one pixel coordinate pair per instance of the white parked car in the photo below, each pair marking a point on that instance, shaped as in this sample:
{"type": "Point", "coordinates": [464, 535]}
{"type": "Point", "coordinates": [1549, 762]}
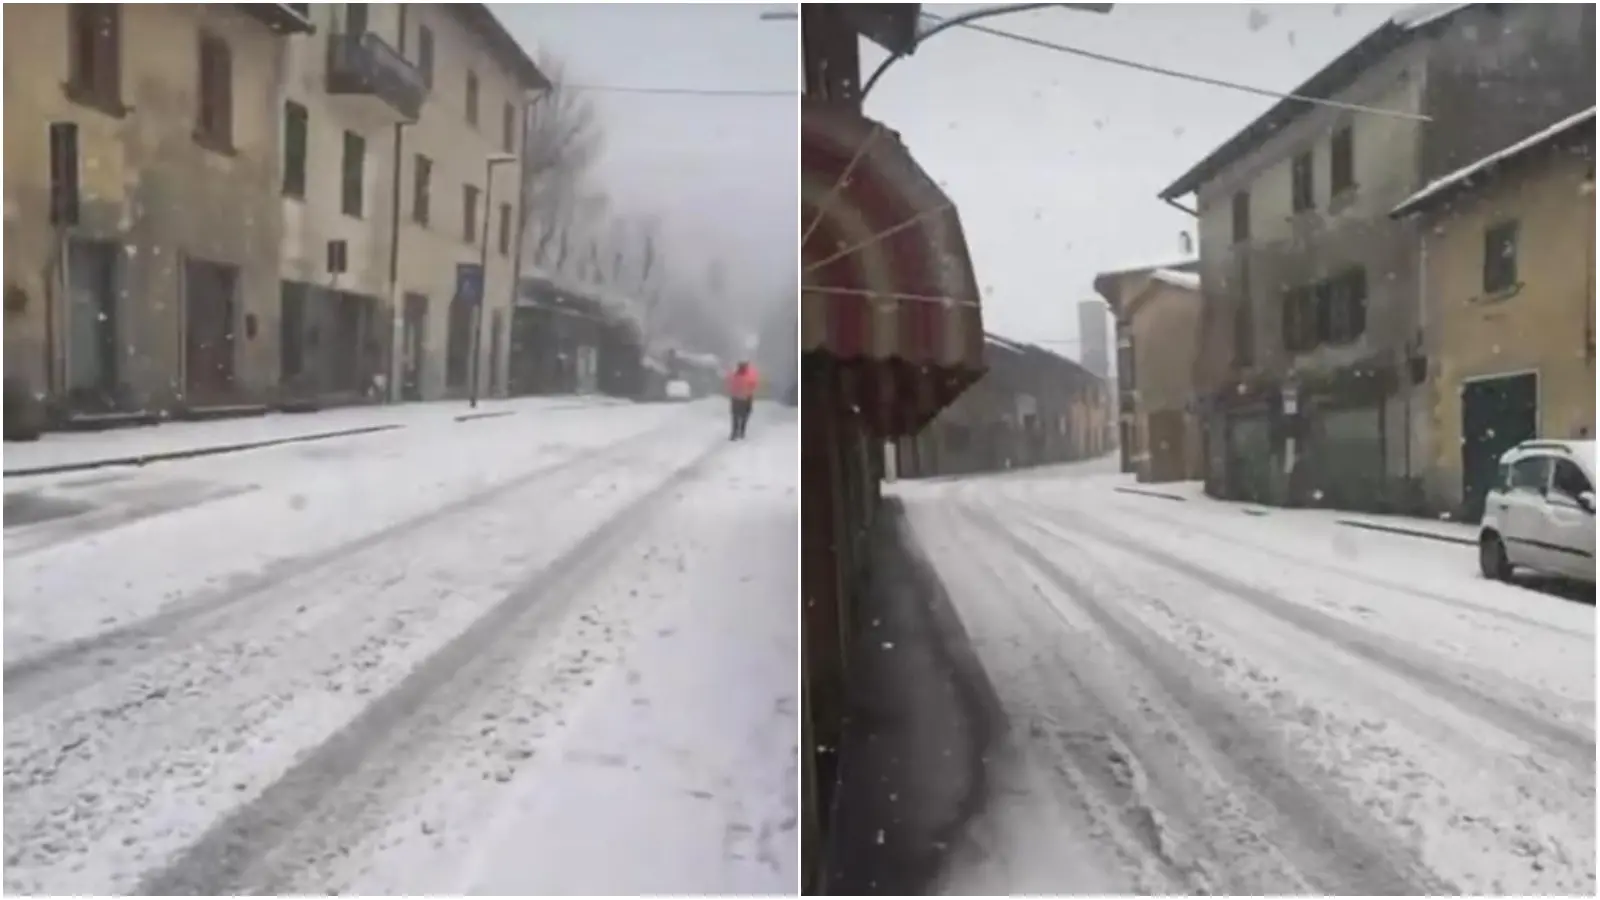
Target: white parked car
{"type": "Point", "coordinates": [1540, 513]}
{"type": "Point", "coordinates": [678, 389]}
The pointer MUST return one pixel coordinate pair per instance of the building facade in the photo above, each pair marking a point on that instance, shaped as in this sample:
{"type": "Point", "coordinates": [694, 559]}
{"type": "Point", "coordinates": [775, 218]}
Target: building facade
{"type": "Point", "coordinates": [1031, 408]}
{"type": "Point", "coordinates": [1314, 355]}
{"type": "Point", "coordinates": [219, 208]}
{"type": "Point", "coordinates": [142, 218]}
{"type": "Point", "coordinates": [1508, 258]}
{"type": "Point", "coordinates": [1158, 315]}
{"type": "Point", "coordinates": [1118, 288]}
{"type": "Point", "coordinates": [459, 198]}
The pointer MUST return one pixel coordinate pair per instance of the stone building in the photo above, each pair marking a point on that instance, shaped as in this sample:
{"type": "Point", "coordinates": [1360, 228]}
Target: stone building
{"type": "Point", "coordinates": [1314, 350]}
{"type": "Point", "coordinates": [142, 216]}
{"type": "Point", "coordinates": [1158, 316]}
{"type": "Point", "coordinates": [1508, 260]}
{"type": "Point", "coordinates": [1031, 408]}
{"type": "Point", "coordinates": [218, 208]}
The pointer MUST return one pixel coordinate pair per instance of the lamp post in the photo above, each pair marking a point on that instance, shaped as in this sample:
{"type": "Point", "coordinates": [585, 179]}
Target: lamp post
{"type": "Point", "coordinates": [494, 159]}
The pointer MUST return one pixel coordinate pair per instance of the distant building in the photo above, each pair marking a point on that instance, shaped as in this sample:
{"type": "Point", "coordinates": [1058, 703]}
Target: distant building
{"type": "Point", "coordinates": [1094, 345]}
{"type": "Point", "coordinates": [1032, 408]}
{"type": "Point", "coordinates": [1158, 316]}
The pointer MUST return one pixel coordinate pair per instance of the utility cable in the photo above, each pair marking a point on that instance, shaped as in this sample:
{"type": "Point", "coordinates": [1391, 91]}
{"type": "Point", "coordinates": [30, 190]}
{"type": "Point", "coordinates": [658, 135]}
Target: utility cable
{"type": "Point", "coordinates": [1185, 76]}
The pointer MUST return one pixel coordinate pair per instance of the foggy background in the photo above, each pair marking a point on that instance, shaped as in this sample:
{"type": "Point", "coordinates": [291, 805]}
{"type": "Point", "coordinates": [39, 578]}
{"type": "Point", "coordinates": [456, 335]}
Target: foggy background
{"type": "Point", "coordinates": [1054, 161]}
{"type": "Point", "coordinates": [712, 176]}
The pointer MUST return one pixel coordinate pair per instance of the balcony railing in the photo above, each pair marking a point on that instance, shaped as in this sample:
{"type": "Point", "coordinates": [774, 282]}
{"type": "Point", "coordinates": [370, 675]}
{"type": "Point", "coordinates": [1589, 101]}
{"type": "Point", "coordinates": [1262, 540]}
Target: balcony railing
{"type": "Point", "coordinates": [364, 64]}
{"type": "Point", "coordinates": [286, 18]}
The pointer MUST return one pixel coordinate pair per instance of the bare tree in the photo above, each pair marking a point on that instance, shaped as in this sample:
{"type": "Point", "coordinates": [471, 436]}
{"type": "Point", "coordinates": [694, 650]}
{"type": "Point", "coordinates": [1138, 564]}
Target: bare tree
{"type": "Point", "coordinates": [562, 139]}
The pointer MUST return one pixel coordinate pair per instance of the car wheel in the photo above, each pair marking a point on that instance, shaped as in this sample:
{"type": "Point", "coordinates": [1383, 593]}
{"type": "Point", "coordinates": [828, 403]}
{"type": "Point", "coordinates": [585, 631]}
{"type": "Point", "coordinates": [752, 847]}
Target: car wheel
{"type": "Point", "coordinates": [1492, 560]}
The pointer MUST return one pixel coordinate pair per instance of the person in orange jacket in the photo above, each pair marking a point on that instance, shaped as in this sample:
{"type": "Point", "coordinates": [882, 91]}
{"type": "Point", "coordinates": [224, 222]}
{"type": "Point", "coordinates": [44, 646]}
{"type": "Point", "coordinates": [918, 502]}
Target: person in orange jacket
{"type": "Point", "coordinates": [742, 384]}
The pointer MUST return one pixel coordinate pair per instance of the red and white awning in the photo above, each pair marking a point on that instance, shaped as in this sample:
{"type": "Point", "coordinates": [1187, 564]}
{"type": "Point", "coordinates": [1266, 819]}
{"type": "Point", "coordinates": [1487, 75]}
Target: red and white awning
{"type": "Point", "coordinates": [886, 275]}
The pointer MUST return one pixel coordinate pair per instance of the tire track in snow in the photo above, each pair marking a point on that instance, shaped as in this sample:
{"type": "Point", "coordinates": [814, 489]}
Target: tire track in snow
{"type": "Point", "coordinates": [318, 806]}
{"type": "Point", "coordinates": [67, 668]}
{"type": "Point", "coordinates": [1381, 583]}
{"type": "Point", "coordinates": [1490, 817]}
{"type": "Point", "coordinates": [1318, 830]}
{"type": "Point", "coordinates": [1085, 739]}
{"type": "Point", "coordinates": [1574, 748]}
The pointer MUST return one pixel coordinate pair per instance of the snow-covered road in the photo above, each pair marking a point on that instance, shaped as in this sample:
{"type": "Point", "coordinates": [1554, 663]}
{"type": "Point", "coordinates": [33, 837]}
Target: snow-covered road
{"type": "Point", "coordinates": [1202, 701]}
{"type": "Point", "coordinates": [549, 653]}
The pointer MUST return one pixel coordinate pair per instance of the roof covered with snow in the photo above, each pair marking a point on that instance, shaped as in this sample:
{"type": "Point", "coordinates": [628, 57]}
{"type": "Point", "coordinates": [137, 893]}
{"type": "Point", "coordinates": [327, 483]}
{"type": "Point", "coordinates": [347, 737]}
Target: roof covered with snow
{"type": "Point", "coordinates": [1003, 343]}
{"type": "Point", "coordinates": [1465, 177]}
{"type": "Point", "coordinates": [1189, 281]}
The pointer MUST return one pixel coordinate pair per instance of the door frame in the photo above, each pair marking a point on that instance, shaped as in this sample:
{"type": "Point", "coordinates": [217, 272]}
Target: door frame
{"type": "Point", "coordinates": [1461, 413]}
{"type": "Point", "coordinates": [111, 372]}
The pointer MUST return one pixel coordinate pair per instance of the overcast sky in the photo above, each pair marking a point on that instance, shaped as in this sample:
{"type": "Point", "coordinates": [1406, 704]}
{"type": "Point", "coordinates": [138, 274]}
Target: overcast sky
{"type": "Point", "coordinates": [719, 171]}
{"type": "Point", "coordinates": [1055, 161]}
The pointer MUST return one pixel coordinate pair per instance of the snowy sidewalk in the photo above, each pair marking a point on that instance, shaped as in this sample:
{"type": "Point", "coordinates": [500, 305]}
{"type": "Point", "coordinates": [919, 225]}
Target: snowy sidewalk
{"type": "Point", "coordinates": [1409, 526]}
{"type": "Point", "coordinates": [67, 451]}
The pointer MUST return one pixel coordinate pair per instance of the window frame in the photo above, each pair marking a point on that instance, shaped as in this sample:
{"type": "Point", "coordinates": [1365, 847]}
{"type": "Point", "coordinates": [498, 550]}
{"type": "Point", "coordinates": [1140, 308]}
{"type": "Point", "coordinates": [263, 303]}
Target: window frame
{"type": "Point", "coordinates": [1303, 182]}
{"type": "Point", "coordinates": [1342, 166]}
{"type": "Point", "coordinates": [1300, 319]}
{"type": "Point", "coordinates": [425, 54]}
{"type": "Point", "coordinates": [1498, 264]}
{"type": "Point", "coordinates": [1342, 307]}
{"type": "Point", "coordinates": [351, 19]}
{"type": "Point", "coordinates": [474, 91]}
{"type": "Point", "coordinates": [504, 237]}
{"type": "Point", "coordinates": [471, 196]}
{"type": "Point", "coordinates": [295, 171]}
{"type": "Point", "coordinates": [214, 93]}
{"type": "Point", "coordinates": [508, 127]}
{"type": "Point", "coordinates": [352, 191]}
{"type": "Point", "coordinates": [1241, 217]}
{"type": "Point", "coordinates": [421, 189]}
{"type": "Point", "coordinates": [94, 56]}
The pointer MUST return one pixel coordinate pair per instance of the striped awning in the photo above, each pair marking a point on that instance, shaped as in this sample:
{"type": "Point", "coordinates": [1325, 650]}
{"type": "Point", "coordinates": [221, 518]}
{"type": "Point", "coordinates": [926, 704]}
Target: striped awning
{"type": "Point", "coordinates": [886, 275]}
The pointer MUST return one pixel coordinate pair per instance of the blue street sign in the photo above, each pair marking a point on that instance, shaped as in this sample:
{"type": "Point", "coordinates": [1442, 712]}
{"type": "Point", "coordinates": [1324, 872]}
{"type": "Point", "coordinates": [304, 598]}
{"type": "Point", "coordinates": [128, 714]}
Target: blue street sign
{"type": "Point", "coordinates": [469, 282]}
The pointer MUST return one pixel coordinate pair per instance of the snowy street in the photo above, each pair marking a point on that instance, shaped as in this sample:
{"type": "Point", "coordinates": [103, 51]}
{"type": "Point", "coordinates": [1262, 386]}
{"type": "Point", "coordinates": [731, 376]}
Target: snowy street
{"type": "Point", "coordinates": [1201, 701]}
{"type": "Point", "coordinates": [552, 652]}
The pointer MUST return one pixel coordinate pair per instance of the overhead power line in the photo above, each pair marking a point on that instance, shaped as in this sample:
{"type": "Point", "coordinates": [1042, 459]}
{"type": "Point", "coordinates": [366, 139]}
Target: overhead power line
{"type": "Point", "coordinates": [1185, 76]}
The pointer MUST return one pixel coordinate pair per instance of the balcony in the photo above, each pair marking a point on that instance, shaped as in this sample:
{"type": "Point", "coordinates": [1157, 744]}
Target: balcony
{"type": "Point", "coordinates": [284, 18]}
{"type": "Point", "coordinates": [363, 65]}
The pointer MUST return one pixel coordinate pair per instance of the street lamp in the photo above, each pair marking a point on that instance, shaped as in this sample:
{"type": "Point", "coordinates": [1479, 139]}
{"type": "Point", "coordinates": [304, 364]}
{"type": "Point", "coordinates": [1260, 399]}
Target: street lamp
{"type": "Point", "coordinates": [494, 159]}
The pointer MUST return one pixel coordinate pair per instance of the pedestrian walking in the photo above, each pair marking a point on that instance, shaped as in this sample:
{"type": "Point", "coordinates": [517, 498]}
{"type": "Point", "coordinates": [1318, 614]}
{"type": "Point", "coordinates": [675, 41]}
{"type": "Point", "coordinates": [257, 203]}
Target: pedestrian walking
{"type": "Point", "coordinates": [742, 384]}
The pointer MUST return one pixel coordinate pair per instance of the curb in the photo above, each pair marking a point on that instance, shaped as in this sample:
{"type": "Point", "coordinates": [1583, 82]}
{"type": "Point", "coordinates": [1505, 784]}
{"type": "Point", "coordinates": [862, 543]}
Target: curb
{"type": "Point", "coordinates": [493, 414]}
{"type": "Point", "coordinates": [193, 453]}
{"type": "Point", "coordinates": [1156, 494]}
{"type": "Point", "coordinates": [1408, 532]}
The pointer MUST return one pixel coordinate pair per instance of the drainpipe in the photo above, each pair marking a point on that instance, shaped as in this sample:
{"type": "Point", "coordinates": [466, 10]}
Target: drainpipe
{"type": "Point", "coordinates": [396, 301]}
{"type": "Point", "coordinates": [1422, 332]}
